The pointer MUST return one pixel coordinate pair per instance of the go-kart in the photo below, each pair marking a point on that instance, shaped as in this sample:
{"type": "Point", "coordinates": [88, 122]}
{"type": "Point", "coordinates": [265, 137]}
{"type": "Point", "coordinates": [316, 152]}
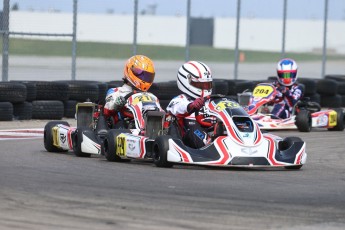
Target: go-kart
{"type": "Point", "coordinates": [305, 114]}
{"type": "Point", "coordinates": [236, 141]}
{"type": "Point", "coordinates": [141, 120]}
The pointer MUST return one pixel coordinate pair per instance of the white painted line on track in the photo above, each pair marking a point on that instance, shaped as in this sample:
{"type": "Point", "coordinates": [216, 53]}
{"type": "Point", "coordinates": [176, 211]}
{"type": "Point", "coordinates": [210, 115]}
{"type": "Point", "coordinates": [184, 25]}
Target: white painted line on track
{"type": "Point", "coordinates": [15, 134]}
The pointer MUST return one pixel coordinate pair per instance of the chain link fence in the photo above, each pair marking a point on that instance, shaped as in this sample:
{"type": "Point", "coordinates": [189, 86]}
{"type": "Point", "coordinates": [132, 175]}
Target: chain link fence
{"type": "Point", "coordinates": [40, 39]}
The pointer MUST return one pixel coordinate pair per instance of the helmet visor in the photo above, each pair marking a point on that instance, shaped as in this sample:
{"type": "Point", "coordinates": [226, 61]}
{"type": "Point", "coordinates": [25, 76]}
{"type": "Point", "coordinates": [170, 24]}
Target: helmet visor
{"type": "Point", "coordinates": [202, 85]}
{"type": "Point", "coordinates": [143, 75]}
{"type": "Point", "coordinates": [291, 74]}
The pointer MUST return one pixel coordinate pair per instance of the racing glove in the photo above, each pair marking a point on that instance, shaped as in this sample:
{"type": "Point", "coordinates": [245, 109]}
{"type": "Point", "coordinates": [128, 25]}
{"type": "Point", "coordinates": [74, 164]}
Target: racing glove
{"type": "Point", "coordinates": [196, 105]}
{"type": "Point", "coordinates": [119, 103]}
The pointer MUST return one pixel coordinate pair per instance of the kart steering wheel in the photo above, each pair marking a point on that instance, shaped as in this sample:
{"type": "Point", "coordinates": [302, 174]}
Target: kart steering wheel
{"type": "Point", "coordinates": [123, 110]}
{"type": "Point", "coordinates": [199, 117]}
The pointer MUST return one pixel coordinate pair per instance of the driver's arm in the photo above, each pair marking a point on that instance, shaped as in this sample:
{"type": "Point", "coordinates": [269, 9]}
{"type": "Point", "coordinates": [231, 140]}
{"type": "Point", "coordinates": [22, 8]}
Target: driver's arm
{"type": "Point", "coordinates": [196, 105]}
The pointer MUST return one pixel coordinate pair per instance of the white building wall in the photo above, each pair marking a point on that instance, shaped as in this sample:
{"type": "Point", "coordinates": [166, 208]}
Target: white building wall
{"type": "Point", "coordinates": [255, 34]}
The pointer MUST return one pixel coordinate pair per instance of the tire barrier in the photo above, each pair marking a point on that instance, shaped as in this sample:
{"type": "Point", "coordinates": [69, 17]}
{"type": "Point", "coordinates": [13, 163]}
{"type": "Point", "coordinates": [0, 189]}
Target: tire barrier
{"type": "Point", "coordinates": [12, 92]}
{"type": "Point", "coordinates": [25, 100]}
{"type": "Point", "coordinates": [6, 111]}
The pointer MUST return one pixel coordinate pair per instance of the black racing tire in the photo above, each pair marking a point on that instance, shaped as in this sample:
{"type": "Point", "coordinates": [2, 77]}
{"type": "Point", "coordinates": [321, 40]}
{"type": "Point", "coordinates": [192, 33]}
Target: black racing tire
{"type": "Point", "coordinates": [77, 139]}
{"type": "Point", "coordinates": [341, 88]}
{"type": "Point", "coordinates": [48, 136]}
{"type": "Point", "coordinates": [331, 101]}
{"type": "Point", "coordinates": [12, 92]}
{"type": "Point", "coordinates": [303, 121]}
{"type": "Point", "coordinates": [51, 110]}
{"type": "Point", "coordinates": [6, 111]}
{"type": "Point", "coordinates": [342, 100]}
{"type": "Point", "coordinates": [327, 87]}
{"type": "Point", "coordinates": [247, 86]}
{"type": "Point", "coordinates": [22, 111]}
{"type": "Point", "coordinates": [336, 77]}
{"type": "Point", "coordinates": [310, 86]}
{"type": "Point", "coordinates": [110, 144]}
{"type": "Point", "coordinates": [70, 108]}
{"type": "Point", "coordinates": [160, 152]}
{"type": "Point", "coordinates": [31, 90]}
{"type": "Point", "coordinates": [340, 120]}
{"type": "Point", "coordinates": [220, 86]}
{"type": "Point", "coordinates": [167, 90]}
{"type": "Point", "coordinates": [82, 91]}
{"type": "Point", "coordinates": [48, 90]}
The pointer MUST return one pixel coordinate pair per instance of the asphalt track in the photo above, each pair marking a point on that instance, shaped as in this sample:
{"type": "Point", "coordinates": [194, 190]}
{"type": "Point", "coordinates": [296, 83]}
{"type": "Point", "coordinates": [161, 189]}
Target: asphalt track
{"type": "Point", "coordinates": [59, 68]}
{"type": "Point", "coordinates": [41, 190]}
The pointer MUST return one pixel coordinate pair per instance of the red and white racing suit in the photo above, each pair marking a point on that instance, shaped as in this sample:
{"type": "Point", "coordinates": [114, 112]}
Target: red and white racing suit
{"type": "Point", "coordinates": [192, 133]}
{"type": "Point", "coordinates": [110, 107]}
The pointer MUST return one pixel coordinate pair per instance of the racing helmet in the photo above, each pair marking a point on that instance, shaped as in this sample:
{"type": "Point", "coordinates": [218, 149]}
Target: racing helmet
{"type": "Point", "coordinates": [194, 78]}
{"type": "Point", "coordinates": [139, 71]}
{"type": "Point", "coordinates": [287, 72]}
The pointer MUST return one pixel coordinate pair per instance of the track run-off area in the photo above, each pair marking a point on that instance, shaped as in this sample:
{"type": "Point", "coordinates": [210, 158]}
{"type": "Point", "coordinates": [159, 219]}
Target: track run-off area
{"type": "Point", "coordinates": [42, 190]}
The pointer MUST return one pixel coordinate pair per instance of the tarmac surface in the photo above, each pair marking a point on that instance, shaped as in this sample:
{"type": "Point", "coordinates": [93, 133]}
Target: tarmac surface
{"type": "Point", "coordinates": [42, 190]}
{"type": "Point", "coordinates": [59, 68]}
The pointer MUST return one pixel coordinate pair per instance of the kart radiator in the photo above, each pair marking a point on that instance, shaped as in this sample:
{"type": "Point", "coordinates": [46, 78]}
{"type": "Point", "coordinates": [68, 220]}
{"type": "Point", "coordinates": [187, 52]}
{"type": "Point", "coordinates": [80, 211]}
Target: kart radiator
{"type": "Point", "coordinates": [85, 114]}
{"type": "Point", "coordinates": [154, 124]}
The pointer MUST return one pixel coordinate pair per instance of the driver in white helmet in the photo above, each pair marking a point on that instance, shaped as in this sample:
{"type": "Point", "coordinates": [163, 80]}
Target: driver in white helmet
{"type": "Point", "coordinates": [289, 92]}
{"type": "Point", "coordinates": [194, 79]}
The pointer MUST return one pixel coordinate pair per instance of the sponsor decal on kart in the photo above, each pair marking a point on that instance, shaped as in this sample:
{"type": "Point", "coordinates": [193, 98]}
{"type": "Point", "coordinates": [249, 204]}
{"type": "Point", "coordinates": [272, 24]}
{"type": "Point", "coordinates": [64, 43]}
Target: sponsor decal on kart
{"type": "Point", "coordinates": [332, 118]}
{"type": "Point", "coordinates": [322, 120]}
{"type": "Point", "coordinates": [121, 145]}
{"type": "Point", "coordinates": [226, 104]}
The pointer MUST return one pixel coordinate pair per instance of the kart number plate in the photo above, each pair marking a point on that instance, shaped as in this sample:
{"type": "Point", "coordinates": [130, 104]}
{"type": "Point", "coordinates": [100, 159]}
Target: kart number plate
{"type": "Point", "coordinates": [262, 91]}
{"type": "Point", "coordinates": [142, 98]}
{"type": "Point", "coordinates": [121, 145]}
{"type": "Point", "coordinates": [332, 121]}
{"type": "Point", "coordinates": [226, 104]}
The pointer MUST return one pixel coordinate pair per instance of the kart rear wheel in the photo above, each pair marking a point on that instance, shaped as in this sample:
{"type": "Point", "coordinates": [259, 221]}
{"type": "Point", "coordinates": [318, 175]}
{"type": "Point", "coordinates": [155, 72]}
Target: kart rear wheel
{"type": "Point", "coordinates": [160, 152]}
{"type": "Point", "coordinates": [109, 144]}
{"type": "Point", "coordinates": [303, 121]}
{"type": "Point", "coordinates": [48, 136]}
{"type": "Point", "coordinates": [77, 139]}
{"type": "Point", "coordinates": [340, 121]}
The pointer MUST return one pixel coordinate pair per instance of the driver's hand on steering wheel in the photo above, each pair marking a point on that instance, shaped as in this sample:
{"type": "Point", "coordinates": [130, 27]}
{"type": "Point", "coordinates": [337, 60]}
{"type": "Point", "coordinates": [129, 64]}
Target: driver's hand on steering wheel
{"type": "Point", "coordinates": [196, 105]}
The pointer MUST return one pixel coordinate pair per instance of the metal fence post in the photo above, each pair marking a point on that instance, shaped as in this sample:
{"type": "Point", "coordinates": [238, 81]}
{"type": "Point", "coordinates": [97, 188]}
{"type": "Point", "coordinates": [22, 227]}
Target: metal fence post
{"type": "Point", "coordinates": [324, 50]}
{"type": "Point", "coordinates": [135, 27]}
{"type": "Point", "coordinates": [187, 55]}
{"type": "Point", "coordinates": [237, 38]}
{"type": "Point", "coordinates": [284, 28]}
{"type": "Point", "coordinates": [5, 39]}
{"type": "Point", "coordinates": [74, 39]}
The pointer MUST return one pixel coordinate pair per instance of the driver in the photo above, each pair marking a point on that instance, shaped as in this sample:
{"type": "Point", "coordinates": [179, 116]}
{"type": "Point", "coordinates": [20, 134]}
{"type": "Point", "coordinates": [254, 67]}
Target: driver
{"type": "Point", "coordinates": [139, 73]}
{"type": "Point", "coordinates": [289, 92]}
{"type": "Point", "coordinates": [194, 79]}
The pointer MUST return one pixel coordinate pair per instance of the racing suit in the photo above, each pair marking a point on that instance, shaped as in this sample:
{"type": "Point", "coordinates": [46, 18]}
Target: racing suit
{"type": "Point", "coordinates": [188, 128]}
{"type": "Point", "coordinates": [114, 101]}
{"type": "Point", "coordinates": [286, 99]}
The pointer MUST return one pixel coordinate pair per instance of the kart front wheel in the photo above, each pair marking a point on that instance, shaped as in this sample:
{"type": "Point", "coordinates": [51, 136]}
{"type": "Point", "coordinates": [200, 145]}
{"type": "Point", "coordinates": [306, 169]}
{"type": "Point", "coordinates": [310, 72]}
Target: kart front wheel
{"type": "Point", "coordinates": [340, 121]}
{"type": "Point", "coordinates": [303, 121]}
{"type": "Point", "coordinates": [110, 144]}
{"type": "Point", "coordinates": [48, 136]}
{"type": "Point", "coordinates": [160, 152]}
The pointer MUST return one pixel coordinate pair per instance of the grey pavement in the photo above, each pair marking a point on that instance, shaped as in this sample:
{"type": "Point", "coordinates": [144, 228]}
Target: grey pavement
{"type": "Point", "coordinates": [59, 68]}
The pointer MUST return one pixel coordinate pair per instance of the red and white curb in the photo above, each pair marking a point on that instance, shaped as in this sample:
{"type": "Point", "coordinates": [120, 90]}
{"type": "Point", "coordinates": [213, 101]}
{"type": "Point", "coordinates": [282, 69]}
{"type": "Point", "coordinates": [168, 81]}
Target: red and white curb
{"type": "Point", "coordinates": [15, 134]}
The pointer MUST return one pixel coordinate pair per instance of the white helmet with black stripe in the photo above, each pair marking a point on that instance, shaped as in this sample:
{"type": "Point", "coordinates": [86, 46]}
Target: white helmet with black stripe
{"type": "Point", "coordinates": [194, 78]}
